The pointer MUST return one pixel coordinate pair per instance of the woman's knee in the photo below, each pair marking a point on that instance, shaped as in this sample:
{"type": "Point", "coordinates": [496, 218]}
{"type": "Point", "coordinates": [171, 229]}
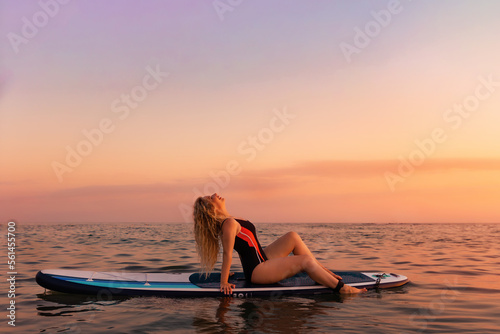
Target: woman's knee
{"type": "Point", "coordinates": [308, 262]}
{"type": "Point", "coordinates": [294, 235]}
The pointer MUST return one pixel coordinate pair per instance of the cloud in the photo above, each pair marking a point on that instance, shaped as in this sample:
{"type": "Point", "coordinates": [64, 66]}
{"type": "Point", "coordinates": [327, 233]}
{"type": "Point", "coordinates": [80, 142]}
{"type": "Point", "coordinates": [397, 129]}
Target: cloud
{"type": "Point", "coordinates": [370, 168]}
{"type": "Point", "coordinates": [272, 179]}
{"type": "Point", "coordinates": [353, 190]}
{"type": "Point", "coordinates": [119, 190]}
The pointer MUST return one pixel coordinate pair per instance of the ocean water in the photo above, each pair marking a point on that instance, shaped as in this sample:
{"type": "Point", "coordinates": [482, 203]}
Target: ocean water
{"type": "Point", "coordinates": [454, 271]}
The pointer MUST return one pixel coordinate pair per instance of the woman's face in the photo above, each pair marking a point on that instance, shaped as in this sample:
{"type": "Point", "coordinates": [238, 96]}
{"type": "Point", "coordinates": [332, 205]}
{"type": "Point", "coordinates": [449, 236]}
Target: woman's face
{"type": "Point", "coordinates": [218, 202]}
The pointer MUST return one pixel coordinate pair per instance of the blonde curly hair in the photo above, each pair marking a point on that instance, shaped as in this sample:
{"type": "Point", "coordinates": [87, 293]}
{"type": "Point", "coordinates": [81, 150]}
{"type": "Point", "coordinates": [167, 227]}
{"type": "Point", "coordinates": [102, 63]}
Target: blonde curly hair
{"type": "Point", "coordinates": [207, 233]}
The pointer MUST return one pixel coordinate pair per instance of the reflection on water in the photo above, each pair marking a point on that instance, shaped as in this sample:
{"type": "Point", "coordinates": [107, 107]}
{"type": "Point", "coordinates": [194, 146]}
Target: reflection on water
{"type": "Point", "coordinates": [454, 270]}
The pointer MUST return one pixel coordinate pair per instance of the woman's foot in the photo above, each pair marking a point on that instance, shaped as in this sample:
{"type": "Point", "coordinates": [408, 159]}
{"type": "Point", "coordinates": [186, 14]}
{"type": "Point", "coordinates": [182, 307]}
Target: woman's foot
{"type": "Point", "coordinates": [350, 290]}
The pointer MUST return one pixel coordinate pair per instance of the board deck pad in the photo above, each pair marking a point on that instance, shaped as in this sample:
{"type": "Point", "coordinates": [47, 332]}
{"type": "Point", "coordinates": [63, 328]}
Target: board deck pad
{"type": "Point", "coordinates": [302, 279]}
{"type": "Point", "coordinates": [197, 285]}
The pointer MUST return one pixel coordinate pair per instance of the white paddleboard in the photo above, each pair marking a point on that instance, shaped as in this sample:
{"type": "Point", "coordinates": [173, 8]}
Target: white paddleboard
{"type": "Point", "coordinates": [196, 285]}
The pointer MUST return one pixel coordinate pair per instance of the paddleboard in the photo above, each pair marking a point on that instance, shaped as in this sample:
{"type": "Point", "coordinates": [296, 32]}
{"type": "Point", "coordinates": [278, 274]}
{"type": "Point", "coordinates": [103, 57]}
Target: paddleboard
{"type": "Point", "coordinates": [197, 285]}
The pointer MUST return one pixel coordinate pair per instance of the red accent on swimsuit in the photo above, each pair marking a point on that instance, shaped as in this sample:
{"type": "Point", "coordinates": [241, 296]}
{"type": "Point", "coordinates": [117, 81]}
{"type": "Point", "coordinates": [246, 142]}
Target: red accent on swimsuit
{"type": "Point", "coordinates": [248, 247]}
{"type": "Point", "coordinates": [251, 240]}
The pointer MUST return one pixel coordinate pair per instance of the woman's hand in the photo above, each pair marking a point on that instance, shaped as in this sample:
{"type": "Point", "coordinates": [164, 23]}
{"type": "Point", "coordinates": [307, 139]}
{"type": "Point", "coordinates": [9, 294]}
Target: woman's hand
{"type": "Point", "coordinates": [226, 288]}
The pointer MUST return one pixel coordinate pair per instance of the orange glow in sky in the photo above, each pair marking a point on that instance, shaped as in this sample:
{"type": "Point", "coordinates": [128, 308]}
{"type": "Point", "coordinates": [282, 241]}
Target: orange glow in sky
{"type": "Point", "coordinates": [127, 118]}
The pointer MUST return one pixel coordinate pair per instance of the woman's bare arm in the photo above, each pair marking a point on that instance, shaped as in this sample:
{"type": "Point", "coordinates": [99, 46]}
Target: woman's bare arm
{"type": "Point", "coordinates": [229, 232]}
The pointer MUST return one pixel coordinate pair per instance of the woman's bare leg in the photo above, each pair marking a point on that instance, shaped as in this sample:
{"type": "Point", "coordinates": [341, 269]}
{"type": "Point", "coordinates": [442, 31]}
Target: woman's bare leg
{"type": "Point", "coordinates": [276, 269]}
{"type": "Point", "coordinates": [292, 243]}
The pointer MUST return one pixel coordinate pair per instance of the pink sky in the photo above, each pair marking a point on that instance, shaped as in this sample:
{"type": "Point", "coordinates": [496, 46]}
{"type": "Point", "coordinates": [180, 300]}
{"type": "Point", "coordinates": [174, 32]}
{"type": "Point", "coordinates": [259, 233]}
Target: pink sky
{"type": "Point", "coordinates": [162, 101]}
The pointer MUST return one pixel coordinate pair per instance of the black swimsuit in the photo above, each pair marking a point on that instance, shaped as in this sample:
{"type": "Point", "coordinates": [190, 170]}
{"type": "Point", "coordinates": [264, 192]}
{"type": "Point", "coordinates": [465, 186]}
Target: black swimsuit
{"type": "Point", "coordinates": [248, 247]}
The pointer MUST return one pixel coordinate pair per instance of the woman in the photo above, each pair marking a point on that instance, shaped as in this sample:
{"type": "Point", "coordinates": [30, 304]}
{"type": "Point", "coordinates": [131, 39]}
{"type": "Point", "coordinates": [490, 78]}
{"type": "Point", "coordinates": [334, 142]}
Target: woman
{"type": "Point", "coordinates": [213, 224]}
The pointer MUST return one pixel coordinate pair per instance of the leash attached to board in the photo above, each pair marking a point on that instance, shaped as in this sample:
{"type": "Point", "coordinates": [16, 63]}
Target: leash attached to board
{"type": "Point", "coordinates": [379, 278]}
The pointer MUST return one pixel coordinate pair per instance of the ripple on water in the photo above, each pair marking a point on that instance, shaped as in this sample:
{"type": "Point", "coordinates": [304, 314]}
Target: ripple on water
{"type": "Point", "coordinates": [135, 268]}
{"type": "Point", "coordinates": [460, 272]}
{"type": "Point", "coordinates": [178, 268]}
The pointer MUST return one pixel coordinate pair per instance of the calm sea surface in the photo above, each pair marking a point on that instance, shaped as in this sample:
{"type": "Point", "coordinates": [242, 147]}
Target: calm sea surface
{"type": "Point", "coordinates": [454, 271]}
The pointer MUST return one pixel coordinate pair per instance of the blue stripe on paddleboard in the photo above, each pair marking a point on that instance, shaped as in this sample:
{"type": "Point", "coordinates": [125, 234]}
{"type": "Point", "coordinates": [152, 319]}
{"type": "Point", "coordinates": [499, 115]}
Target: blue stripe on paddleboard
{"type": "Point", "coordinates": [128, 284]}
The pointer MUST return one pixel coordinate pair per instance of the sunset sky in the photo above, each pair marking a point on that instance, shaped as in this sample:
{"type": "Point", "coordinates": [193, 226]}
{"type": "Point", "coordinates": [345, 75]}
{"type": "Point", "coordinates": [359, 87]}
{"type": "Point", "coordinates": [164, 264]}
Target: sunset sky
{"type": "Point", "coordinates": [294, 111]}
